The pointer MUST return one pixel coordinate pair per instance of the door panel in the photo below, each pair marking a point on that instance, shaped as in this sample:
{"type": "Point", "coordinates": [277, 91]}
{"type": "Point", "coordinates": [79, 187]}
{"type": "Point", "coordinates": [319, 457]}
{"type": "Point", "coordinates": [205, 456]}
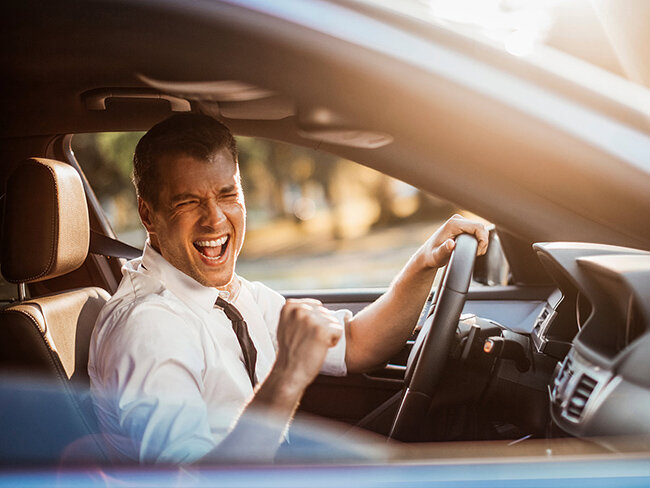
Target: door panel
{"type": "Point", "coordinates": [347, 399]}
{"type": "Point", "coordinates": [350, 398]}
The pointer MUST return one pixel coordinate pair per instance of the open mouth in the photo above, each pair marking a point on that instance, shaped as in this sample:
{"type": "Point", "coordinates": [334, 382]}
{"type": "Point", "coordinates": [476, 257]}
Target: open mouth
{"type": "Point", "coordinates": [213, 250]}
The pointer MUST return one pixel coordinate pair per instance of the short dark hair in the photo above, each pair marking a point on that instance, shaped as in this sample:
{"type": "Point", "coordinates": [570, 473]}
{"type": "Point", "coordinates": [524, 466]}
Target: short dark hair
{"type": "Point", "coordinates": [195, 135]}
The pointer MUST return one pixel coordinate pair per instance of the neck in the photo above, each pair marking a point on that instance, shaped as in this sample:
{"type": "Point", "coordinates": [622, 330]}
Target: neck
{"type": "Point", "coordinates": [232, 288]}
{"type": "Point", "coordinates": [153, 241]}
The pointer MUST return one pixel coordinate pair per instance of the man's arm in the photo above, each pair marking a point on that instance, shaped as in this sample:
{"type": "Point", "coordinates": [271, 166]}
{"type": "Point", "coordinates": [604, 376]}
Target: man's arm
{"type": "Point", "coordinates": [380, 330]}
{"type": "Point", "coordinates": [306, 331]}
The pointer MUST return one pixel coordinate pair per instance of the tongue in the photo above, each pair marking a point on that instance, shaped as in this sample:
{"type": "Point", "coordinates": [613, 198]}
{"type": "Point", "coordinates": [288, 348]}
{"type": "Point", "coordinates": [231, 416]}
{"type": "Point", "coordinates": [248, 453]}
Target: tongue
{"type": "Point", "coordinates": [211, 252]}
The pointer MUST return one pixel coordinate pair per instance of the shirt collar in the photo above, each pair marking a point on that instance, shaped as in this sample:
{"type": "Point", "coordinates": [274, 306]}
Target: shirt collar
{"type": "Point", "coordinates": [183, 286]}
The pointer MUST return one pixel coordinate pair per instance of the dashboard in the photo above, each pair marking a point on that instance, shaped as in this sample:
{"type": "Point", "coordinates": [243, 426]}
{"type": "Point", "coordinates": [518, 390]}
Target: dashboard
{"type": "Point", "coordinates": [598, 320]}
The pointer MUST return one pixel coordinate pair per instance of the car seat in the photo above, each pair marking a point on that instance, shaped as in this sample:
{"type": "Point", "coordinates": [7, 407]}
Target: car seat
{"type": "Point", "coordinates": [44, 340]}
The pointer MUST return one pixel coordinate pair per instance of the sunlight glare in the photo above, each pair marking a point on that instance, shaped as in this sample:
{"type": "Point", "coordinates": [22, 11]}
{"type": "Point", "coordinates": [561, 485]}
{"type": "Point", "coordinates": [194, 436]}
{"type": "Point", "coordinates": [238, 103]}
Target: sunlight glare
{"type": "Point", "coordinates": [520, 25]}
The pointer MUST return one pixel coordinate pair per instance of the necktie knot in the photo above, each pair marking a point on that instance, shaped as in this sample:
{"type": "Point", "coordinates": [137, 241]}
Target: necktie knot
{"type": "Point", "coordinates": [229, 309]}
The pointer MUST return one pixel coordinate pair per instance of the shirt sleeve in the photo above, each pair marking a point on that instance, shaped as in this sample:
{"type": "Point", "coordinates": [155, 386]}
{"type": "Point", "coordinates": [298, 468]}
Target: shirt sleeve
{"type": "Point", "coordinates": [271, 303]}
{"type": "Point", "coordinates": [334, 364]}
{"type": "Point", "coordinates": [152, 369]}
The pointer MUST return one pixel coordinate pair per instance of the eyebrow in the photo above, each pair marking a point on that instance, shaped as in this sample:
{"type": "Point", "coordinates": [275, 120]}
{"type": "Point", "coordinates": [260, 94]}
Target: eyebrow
{"type": "Point", "coordinates": [228, 189]}
{"type": "Point", "coordinates": [189, 195]}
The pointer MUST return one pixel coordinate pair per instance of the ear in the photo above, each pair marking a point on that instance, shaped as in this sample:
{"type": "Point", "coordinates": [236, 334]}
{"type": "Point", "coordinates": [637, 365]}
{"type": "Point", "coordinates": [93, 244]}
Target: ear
{"type": "Point", "coordinates": [146, 216]}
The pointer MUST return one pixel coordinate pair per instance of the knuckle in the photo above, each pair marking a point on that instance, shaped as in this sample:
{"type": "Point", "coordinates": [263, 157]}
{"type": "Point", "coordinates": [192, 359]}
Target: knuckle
{"type": "Point", "coordinates": [290, 305]}
{"type": "Point", "coordinates": [288, 311]}
{"type": "Point", "coordinates": [323, 333]}
{"type": "Point", "coordinates": [302, 314]}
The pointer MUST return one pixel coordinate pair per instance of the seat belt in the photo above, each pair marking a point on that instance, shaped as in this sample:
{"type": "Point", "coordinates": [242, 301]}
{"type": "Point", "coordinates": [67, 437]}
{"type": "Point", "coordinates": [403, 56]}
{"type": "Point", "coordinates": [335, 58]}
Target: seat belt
{"type": "Point", "coordinates": [107, 246]}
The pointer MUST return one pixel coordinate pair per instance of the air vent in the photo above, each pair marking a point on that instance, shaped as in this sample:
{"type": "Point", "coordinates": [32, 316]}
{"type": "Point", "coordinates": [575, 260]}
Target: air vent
{"type": "Point", "coordinates": [580, 397]}
{"type": "Point", "coordinates": [563, 377]}
{"type": "Point", "coordinates": [567, 371]}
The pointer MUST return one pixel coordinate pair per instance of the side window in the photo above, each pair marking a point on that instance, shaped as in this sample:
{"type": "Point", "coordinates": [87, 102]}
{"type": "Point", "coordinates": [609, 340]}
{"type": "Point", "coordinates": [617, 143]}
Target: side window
{"type": "Point", "coordinates": [318, 221]}
{"type": "Point", "coordinates": [107, 161]}
{"type": "Point", "coordinates": [314, 220]}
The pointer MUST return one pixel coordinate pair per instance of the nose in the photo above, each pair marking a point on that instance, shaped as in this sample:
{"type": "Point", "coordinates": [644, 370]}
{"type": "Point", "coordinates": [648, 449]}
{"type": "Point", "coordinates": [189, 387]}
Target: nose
{"type": "Point", "coordinates": [213, 215]}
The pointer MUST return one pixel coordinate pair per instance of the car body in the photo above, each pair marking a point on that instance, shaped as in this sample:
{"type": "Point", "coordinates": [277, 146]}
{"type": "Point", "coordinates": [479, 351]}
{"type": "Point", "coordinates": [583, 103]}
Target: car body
{"type": "Point", "coordinates": [552, 150]}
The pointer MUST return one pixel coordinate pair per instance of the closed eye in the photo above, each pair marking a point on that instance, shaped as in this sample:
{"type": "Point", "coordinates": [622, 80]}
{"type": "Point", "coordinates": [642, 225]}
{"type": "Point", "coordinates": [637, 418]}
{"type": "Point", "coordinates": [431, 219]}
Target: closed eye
{"type": "Point", "coordinates": [185, 203]}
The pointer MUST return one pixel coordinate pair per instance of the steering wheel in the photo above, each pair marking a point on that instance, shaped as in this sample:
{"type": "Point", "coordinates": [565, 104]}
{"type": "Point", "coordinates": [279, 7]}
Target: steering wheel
{"type": "Point", "coordinates": [435, 340]}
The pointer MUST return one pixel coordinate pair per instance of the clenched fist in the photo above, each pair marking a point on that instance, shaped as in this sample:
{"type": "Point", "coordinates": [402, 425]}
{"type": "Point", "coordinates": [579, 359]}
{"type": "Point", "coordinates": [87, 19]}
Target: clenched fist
{"type": "Point", "coordinates": [305, 332]}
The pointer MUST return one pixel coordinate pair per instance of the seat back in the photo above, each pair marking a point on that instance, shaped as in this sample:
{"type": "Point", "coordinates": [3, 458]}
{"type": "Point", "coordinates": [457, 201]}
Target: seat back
{"type": "Point", "coordinates": [45, 339]}
{"type": "Point", "coordinates": [49, 336]}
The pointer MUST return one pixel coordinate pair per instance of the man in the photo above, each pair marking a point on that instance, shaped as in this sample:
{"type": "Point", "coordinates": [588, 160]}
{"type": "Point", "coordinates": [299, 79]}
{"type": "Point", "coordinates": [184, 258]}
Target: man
{"type": "Point", "coordinates": [175, 376]}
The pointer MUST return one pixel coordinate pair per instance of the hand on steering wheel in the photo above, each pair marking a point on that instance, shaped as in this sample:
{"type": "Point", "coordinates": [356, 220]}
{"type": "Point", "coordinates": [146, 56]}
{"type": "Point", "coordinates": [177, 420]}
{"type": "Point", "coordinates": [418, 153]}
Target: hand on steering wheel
{"type": "Point", "coordinates": [431, 350]}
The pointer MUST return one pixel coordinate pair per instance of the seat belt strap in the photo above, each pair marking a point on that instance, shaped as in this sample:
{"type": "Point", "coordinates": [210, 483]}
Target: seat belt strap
{"type": "Point", "coordinates": [107, 246]}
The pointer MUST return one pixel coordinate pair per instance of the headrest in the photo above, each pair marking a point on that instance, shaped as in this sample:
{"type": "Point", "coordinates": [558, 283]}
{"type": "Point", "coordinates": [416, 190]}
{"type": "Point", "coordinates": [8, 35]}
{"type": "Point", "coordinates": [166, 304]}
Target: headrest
{"type": "Point", "coordinates": [45, 229]}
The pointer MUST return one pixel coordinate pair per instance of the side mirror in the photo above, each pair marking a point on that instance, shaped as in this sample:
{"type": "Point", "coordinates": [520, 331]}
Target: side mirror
{"type": "Point", "coordinates": [492, 268]}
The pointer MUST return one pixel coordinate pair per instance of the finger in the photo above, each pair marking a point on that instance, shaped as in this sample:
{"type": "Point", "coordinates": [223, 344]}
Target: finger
{"type": "Point", "coordinates": [477, 230]}
{"type": "Point", "coordinates": [317, 314]}
{"type": "Point", "coordinates": [304, 304]}
{"type": "Point", "coordinates": [305, 301]}
{"type": "Point", "coordinates": [316, 306]}
{"type": "Point", "coordinates": [483, 238]}
{"type": "Point", "coordinates": [335, 333]}
{"type": "Point", "coordinates": [442, 253]}
{"type": "Point", "coordinates": [324, 328]}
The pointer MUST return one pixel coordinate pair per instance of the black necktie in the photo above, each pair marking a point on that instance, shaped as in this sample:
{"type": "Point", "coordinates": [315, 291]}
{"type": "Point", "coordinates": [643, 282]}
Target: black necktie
{"type": "Point", "coordinates": [244, 339]}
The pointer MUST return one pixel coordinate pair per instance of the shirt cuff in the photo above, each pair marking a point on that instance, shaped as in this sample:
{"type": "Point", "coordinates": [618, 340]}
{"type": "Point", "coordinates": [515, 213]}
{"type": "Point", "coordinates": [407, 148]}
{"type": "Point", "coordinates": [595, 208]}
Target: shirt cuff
{"type": "Point", "coordinates": [334, 364]}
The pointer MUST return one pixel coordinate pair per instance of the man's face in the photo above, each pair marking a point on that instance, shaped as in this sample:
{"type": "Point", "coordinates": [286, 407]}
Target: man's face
{"type": "Point", "coordinates": [199, 222]}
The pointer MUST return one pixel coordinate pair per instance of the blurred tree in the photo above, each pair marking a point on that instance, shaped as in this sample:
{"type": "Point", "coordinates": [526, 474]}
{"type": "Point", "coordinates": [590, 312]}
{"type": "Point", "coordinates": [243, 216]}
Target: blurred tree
{"type": "Point", "coordinates": [107, 160]}
{"type": "Point", "coordinates": [383, 192]}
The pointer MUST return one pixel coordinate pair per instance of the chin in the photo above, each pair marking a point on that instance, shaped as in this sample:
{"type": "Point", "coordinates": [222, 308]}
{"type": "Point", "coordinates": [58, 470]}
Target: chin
{"type": "Point", "coordinates": [216, 281]}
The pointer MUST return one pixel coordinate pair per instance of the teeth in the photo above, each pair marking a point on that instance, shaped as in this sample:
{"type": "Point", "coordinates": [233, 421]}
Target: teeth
{"type": "Point", "coordinates": [215, 243]}
{"type": "Point", "coordinates": [216, 258]}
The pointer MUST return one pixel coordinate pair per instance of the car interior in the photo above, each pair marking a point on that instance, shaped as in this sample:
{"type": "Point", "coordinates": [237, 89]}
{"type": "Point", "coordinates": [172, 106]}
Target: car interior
{"type": "Point", "coordinates": [560, 351]}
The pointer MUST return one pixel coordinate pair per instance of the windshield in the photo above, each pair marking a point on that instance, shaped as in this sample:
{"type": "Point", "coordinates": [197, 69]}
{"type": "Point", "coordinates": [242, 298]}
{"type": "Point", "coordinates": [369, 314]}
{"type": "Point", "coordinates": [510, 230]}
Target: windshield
{"type": "Point", "coordinates": [606, 34]}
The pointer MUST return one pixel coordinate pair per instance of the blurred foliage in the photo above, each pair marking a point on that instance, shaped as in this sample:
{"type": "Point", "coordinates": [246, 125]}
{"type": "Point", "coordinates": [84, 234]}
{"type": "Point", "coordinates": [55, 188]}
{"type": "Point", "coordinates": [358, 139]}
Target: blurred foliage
{"type": "Point", "coordinates": [293, 182]}
{"type": "Point", "coordinates": [107, 160]}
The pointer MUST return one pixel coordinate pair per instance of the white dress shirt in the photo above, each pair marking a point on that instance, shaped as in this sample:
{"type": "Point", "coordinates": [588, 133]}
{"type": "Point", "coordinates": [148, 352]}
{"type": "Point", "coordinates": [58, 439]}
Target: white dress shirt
{"type": "Point", "coordinates": [166, 370]}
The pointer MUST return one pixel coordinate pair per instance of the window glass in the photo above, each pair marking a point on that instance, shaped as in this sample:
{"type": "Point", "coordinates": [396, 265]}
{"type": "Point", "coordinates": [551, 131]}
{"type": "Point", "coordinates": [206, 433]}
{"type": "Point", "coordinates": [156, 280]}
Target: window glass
{"type": "Point", "coordinates": [314, 220]}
